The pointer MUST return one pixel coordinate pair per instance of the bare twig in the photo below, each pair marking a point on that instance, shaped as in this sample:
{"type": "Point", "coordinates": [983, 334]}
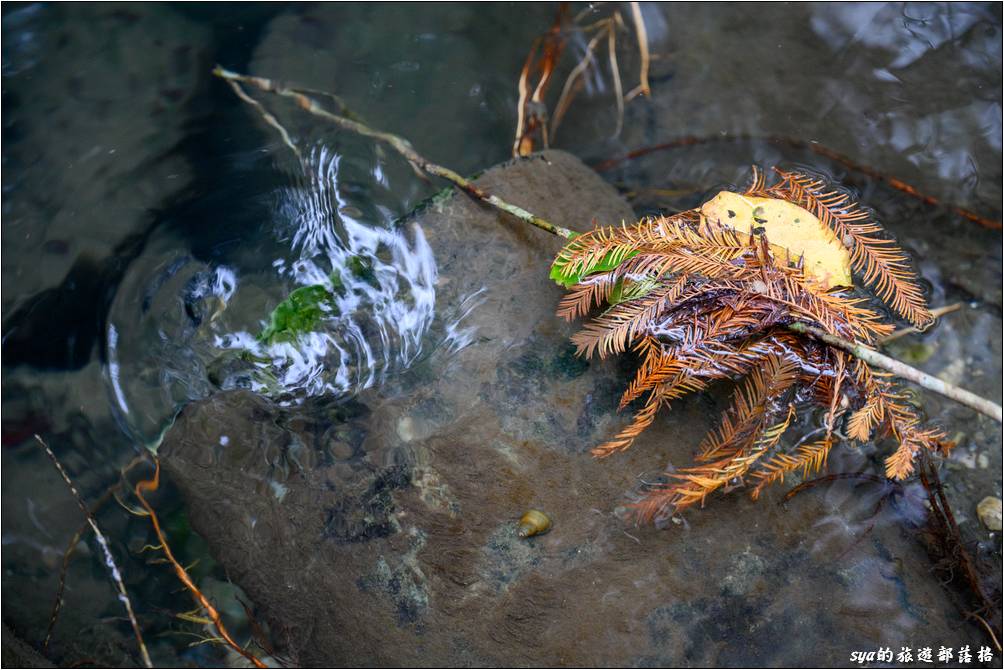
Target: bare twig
{"type": "Point", "coordinates": [257, 633]}
{"type": "Point", "coordinates": [267, 116]}
{"type": "Point", "coordinates": [903, 370]}
{"type": "Point", "coordinates": [990, 631]}
{"type": "Point", "coordinates": [343, 109]}
{"type": "Point", "coordinates": [835, 477]}
{"type": "Point", "coordinates": [183, 576]}
{"type": "Point", "coordinates": [900, 185]}
{"type": "Point", "coordinates": [110, 563]}
{"type": "Point", "coordinates": [615, 73]}
{"type": "Point", "coordinates": [909, 330]}
{"type": "Point", "coordinates": [639, 27]}
{"type": "Point", "coordinates": [399, 144]}
{"type": "Point", "coordinates": [815, 148]}
{"type": "Point", "coordinates": [532, 111]}
{"type": "Point", "coordinates": [57, 604]}
{"type": "Point", "coordinates": [567, 91]}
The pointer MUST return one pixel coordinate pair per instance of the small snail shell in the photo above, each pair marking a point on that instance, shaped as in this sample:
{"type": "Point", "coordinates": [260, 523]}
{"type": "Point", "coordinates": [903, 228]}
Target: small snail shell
{"type": "Point", "coordinates": [533, 523]}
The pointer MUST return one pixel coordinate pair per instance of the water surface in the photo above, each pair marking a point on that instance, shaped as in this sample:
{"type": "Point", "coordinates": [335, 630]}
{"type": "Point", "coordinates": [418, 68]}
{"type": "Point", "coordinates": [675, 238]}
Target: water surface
{"type": "Point", "coordinates": [152, 222]}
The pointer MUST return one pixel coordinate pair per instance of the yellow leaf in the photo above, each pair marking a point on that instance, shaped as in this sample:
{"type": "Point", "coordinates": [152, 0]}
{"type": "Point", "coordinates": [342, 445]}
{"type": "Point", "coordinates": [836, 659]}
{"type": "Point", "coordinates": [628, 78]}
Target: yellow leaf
{"type": "Point", "coordinates": [792, 231]}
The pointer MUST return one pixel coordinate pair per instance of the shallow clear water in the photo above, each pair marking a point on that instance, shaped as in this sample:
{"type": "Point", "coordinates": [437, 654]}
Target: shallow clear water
{"type": "Point", "coordinates": [152, 221]}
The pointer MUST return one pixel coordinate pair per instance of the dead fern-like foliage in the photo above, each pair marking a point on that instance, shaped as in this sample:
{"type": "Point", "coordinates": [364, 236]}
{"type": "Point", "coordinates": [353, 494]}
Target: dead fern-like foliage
{"type": "Point", "coordinates": [884, 265]}
{"type": "Point", "coordinates": [708, 294]}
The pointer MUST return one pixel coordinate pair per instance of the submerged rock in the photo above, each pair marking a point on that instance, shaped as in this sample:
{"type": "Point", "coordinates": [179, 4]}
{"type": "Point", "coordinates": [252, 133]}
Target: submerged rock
{"type": "Point", "coordinates": [18, 654]}
{"type": "Point", "coordinates": [438, 81]}
{"type": "Point", "coordinates": [97, 100]}
{"type": "Point", "coordinates": [388, 535]}
{"type": "Point", "coordinates": [989, 511]}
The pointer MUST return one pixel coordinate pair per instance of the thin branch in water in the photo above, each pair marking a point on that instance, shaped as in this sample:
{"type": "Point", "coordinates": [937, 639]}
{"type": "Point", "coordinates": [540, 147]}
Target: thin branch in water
{"type": "Point", "coordinates": [399, 144]}
{"type": "Point", "coordinates": [590, 8]}
{"type": "Point", "coordinates": [804, 486]}
{"type": "Point", "coordinates": [900, 185]}
{"type": "Point", "coordinates": [815, 148]}
{"type": "Point", "coordinates": [343, 109]}
{"type": "Point", "coordinates": [632, 194]}
{"type": "Point", "coordinates": [615, 73]}
{"type": "Point", "coordinates": [936, 313]}
{"type": "Point", "coordinates": [257, 633]}
{"type": "Point", "coordinates": [183, 576]}
{"type": "Point", "coordinates": [110, 563]}
{"type": "Point", "coordinates": [639, 28]}
{"type": "Point", "coordinates": [990, 631]}
{"type": "Point", "coordinates": [900, 369]}
{"type": "Point", "coordinates": [554, 44]}
{"type": "Point", "coordinates": [573, 80]}
{"type": "Point", "coordinates": [267, 117]}
{"type": "Point", "coordinates": [57, 604]}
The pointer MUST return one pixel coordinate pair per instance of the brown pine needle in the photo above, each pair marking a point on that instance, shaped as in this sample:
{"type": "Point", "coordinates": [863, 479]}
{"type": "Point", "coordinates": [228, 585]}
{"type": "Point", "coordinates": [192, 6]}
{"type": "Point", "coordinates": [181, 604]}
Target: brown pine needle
{"type": "Point", "coordinates": [110, 563]}
{"type": "Point", "coordinates": [730, 317]}
{"type": "Point", "coordinates": [883, 265]}
{"type": "Point", "coordinates": [937, 312]}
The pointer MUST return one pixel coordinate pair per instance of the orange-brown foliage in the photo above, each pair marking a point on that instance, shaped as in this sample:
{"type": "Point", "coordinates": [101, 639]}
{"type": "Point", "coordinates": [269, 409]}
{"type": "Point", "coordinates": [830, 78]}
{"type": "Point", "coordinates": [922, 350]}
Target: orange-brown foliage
{"type": "Point", "coordinates": [700, 302]}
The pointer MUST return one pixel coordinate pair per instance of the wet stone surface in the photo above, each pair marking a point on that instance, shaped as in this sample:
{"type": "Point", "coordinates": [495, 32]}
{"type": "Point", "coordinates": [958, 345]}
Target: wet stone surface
{"type": "Point", "coordinates": [439, 78]}
{"type": "Point", "coordinates": [128, 171]}
{"type": "Point", "coordinates": [402, 550]}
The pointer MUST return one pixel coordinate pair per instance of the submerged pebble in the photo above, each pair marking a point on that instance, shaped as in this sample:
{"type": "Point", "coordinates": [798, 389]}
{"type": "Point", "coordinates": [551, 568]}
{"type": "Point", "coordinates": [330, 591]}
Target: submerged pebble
{"type": "Point", "coordinates": [406, 429]}
{"type": "Point", "coordinates": [989, 511]}
{"type": "Point", "coordinates": [533, 523]}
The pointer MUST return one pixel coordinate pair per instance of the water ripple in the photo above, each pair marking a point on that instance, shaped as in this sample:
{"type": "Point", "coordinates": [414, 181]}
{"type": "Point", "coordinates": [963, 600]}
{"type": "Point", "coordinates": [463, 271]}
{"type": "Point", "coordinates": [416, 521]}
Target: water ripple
{"type": "Point", "coordinates": [181, 327]}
